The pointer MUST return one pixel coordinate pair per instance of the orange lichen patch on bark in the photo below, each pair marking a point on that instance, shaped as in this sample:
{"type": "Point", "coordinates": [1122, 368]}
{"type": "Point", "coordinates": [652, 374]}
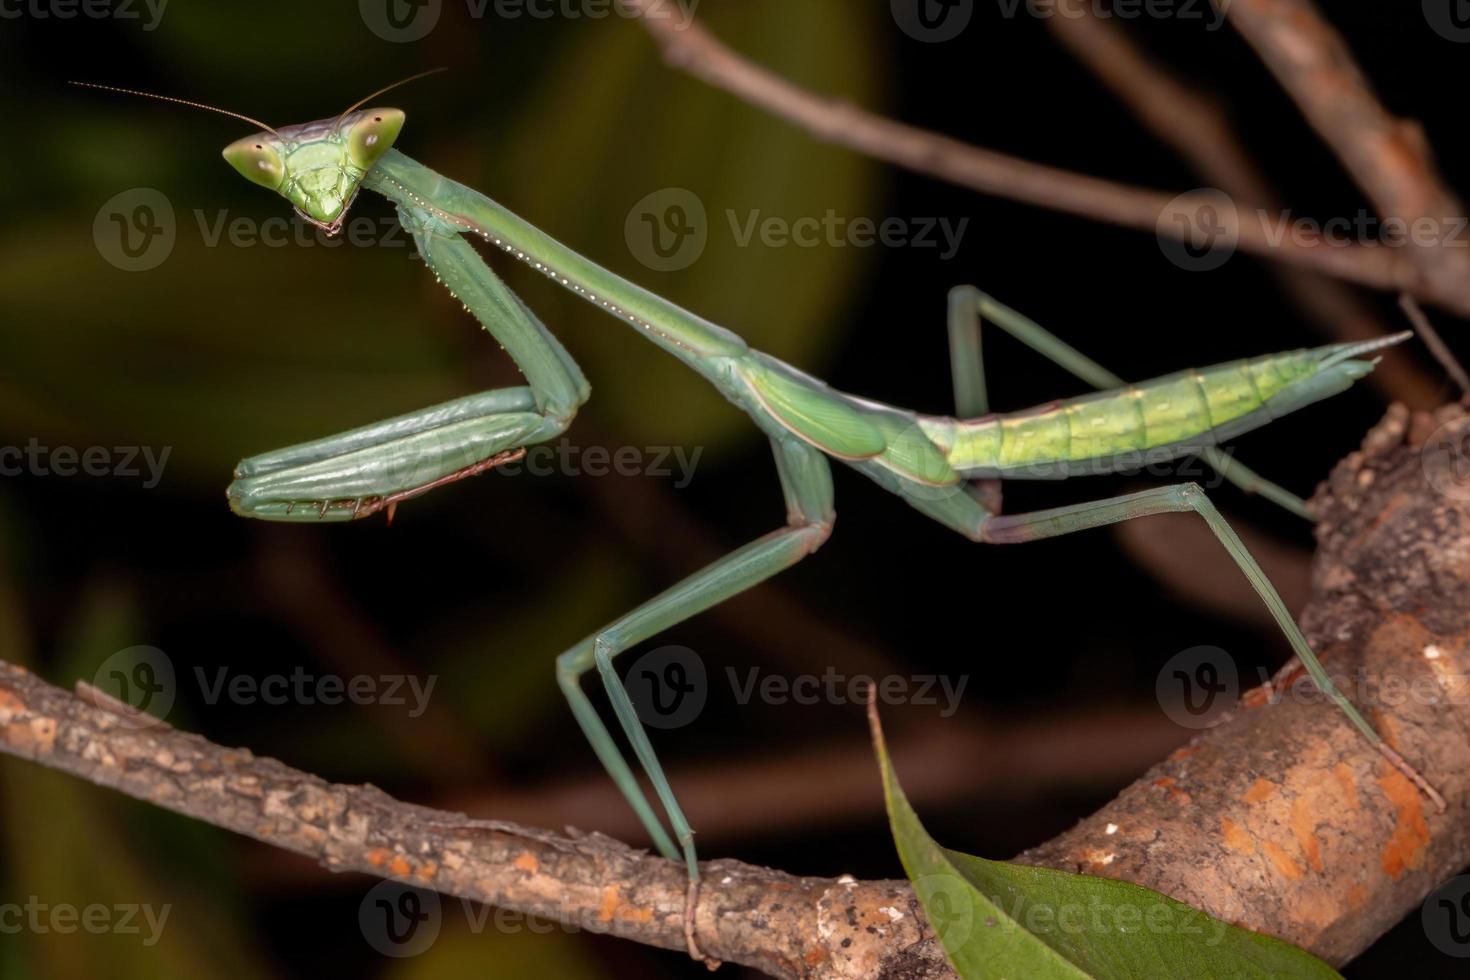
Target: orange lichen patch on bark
{"type": "Point", "coordinates": [1176, 794]}
{"type": "Point", "coordinates": [1236, 837]}
{"type": "Point", "coordinates": [1304, 826]}
{"type": "Point", "coordinates": [1183, 752]}
{"type": "Point", "coordinates": [609, 904]}
{"type": "Point", "coordinates": [36, 737]}
{"type": "Point", "coordinates": [427, 871]}
{"type": "Point", "coordinates": [1282, 861]}
{"type": "Point", "coordinates": [1405, 848]}
{"type": "Point", "coordinates": [378, 856]}
{"type": "Point", "coordinates": [1260, 790]}
{"type": "Point", "coordinates": [1349, 784]}
{"type": "Point", "coordinates": [527, 862]}
{"type": "Point", "coordinates": [612, 907]}
{"type": "Point", "coordinates": [1357, 897]}
{"type": "Point", "coordinates": [10, 704]}
{"type": "Point", "coordinates": [814, 957]}
{"type": "Point", "coordinates": [399, 866]}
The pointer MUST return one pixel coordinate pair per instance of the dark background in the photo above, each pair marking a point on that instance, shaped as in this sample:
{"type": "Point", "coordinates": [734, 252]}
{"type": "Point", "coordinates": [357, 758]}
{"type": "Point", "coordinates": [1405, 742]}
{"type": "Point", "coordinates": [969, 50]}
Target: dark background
{"type": "Point", "coordinates": [227, 350]}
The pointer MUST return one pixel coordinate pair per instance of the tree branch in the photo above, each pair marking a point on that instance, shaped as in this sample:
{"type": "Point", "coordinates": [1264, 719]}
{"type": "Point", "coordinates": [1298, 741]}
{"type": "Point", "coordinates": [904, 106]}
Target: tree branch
{"type": "Point", "coordinates": [1282, 819]}
{"type": "Point", "coordinates": [1198, 129]}
{"type": "Point", "coordinates": [696, 51]}
{"type": "Point", "coordinates": [1390, 158]}
{"type": "Point", "coordinates": [781, 924]}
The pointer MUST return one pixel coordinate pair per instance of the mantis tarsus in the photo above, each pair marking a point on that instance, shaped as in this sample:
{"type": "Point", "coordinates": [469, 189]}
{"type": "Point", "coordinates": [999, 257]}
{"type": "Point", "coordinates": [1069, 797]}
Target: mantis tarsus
{"type": "Point", "coordinates": [942, 466]}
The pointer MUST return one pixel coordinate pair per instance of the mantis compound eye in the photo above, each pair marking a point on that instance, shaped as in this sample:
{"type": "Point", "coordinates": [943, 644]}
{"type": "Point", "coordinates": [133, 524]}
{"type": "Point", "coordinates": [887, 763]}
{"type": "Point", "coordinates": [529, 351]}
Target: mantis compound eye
{"type": "Point", "coordinates": [372, 135]}
{"type": "Point", "coordinates": [257, 161]}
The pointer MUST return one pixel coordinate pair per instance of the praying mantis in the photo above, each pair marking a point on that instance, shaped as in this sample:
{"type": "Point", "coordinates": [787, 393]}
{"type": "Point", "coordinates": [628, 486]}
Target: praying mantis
{"type": "Point", "coordinates": [945, 467]}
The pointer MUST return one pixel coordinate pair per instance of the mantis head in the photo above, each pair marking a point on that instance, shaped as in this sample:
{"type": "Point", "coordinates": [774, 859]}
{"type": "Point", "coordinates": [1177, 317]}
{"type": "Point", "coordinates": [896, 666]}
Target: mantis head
{"type": "Point", "coordinates": [318, 166]}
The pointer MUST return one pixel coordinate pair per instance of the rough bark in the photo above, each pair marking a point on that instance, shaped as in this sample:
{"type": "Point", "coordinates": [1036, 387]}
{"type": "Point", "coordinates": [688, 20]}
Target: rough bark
{"type": "Point", "coordinates": [1282, 819]}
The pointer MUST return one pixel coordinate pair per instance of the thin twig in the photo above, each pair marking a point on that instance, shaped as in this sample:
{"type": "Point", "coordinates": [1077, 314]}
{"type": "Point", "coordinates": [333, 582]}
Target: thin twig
{"type": "Point", "coordinates": [696, 51]}
{"type": "Point", "coordinates": [1390, 158]}
{"type": "Point", "coordinates": [1435, 343]}
{"type": "Point", "coordinates": [1199, 131]}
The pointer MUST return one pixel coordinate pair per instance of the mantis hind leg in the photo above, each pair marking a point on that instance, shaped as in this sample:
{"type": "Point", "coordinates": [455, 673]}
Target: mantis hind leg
{"type": "Point", "coordinates": [975, 522]}
{"type": "Point", "coordinates": [807, 482]}
{"type": "Point", "coordinates": [968, 306]}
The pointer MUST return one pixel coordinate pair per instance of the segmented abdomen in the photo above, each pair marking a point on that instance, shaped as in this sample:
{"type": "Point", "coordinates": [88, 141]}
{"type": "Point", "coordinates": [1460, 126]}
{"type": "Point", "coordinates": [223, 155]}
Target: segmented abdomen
{"type": "Point", "coordinates": [1193, 408]}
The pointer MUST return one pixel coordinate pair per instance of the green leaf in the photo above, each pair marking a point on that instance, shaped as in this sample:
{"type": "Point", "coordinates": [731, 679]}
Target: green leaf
{"type": "Point", "coordinates": [1001, 920]}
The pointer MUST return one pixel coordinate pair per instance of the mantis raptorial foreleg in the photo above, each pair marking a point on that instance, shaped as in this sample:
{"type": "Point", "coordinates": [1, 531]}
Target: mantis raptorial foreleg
{"type": "Point", "coordinates": [806, 480]}
{"type": "Point", "coordinates": [372, 468]}
{"type": "Point", "coordinates": [969, 307]}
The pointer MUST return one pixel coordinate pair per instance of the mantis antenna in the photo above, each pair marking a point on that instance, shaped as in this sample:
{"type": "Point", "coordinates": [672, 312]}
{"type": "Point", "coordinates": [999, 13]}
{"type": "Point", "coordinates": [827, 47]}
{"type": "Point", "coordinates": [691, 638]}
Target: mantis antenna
{"type": "Point", "coordinates": [388, 88]}
{"type": "Point", "coordinates": [169, 98]}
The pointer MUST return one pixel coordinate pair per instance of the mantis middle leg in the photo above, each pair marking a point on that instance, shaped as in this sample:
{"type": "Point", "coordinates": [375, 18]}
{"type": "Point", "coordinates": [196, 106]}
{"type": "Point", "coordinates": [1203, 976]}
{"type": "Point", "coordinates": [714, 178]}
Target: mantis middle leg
{"type": "Point", "coordinates": [806, 480]}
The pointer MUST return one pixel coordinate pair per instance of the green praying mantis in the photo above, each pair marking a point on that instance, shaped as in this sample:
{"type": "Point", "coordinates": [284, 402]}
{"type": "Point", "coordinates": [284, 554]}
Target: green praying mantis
{"type": "Point", "coordinates": [946, 467]}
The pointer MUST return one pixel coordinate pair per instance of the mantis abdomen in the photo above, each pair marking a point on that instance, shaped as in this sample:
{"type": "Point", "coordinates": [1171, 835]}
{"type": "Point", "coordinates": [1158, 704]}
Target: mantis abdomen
{"type": "Point", "coordinates": [1153, 421]}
